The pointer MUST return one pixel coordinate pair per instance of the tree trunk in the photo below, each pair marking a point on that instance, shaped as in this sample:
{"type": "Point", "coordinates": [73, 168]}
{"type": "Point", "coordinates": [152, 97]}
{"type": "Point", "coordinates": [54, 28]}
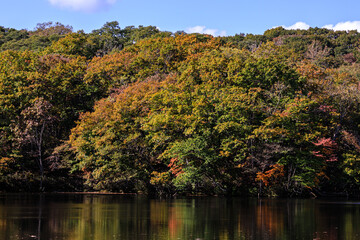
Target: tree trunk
{"type": "Point", "coordinates": [41, 167]}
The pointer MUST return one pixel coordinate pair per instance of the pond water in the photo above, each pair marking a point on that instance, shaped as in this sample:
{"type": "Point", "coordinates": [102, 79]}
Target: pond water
{"type": "Point", "coordinates": [103, 217]}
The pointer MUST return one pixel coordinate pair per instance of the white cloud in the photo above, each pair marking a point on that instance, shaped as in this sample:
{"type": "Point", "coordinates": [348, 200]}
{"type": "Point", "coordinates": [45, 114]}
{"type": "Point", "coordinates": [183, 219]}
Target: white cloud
{"type": "Point", "coordinates": [298, 25]}
{"type": "Point", "coordinates": [344, 26]}
{"type": "Point", "coordinates": [204, 30]}
{"type": "Point", "coordinates": [83, 5]}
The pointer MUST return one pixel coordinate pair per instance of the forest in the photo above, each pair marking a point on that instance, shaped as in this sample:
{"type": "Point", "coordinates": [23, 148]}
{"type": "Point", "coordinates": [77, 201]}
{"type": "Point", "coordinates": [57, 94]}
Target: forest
{"type": "Point", "coordinates": [139, 110]}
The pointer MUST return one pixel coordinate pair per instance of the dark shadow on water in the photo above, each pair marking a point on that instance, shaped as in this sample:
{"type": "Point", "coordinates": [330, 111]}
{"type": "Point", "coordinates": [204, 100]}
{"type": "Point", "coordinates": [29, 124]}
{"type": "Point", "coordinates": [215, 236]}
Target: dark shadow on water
{"type": "Point", "coordinates": [94, 216]}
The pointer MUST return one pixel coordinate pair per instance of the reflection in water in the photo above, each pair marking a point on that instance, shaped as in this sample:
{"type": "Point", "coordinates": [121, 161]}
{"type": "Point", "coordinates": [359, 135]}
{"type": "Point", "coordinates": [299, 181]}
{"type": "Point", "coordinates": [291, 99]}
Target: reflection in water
{"type": "Point", "coordinates": [78, 217]}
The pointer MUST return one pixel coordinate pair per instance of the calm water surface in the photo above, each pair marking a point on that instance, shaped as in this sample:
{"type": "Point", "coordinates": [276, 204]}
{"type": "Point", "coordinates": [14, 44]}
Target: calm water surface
{"type": "Point", "coordinates": [68, 216]}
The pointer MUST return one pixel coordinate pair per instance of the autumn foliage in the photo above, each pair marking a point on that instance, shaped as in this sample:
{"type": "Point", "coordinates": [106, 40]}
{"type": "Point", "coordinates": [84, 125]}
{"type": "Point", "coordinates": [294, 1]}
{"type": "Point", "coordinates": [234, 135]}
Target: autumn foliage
{"type": "Point", "coordinates": [180, 114]}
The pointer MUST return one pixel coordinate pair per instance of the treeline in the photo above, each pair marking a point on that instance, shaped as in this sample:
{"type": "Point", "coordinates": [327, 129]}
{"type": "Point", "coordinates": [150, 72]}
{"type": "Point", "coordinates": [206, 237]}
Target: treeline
{"type": "Point", "coordinates": [141, 110]}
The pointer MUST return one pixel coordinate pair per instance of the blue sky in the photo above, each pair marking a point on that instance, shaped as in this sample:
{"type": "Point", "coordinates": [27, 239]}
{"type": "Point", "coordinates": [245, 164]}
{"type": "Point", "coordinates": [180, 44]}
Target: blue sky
{"type": "Point", "coordinates": [225, 17]}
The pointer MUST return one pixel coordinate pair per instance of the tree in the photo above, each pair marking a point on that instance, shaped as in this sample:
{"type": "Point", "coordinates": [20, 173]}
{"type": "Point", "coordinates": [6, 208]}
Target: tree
{"type": "Point", "coordinates": [50, 28]}
{"type": "Point", "coordinates": [73, 44]}
{"type": "Point", "coordinates": [34, 129]}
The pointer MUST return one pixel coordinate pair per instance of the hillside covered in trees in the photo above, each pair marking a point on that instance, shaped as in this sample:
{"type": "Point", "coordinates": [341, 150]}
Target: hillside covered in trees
{"type": "Point", "coordinates": [142, 110]}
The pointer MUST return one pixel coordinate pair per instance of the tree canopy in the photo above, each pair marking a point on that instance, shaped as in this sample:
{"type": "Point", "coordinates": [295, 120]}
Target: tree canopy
{"type": "Point", "coordinates": [141, 110]}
